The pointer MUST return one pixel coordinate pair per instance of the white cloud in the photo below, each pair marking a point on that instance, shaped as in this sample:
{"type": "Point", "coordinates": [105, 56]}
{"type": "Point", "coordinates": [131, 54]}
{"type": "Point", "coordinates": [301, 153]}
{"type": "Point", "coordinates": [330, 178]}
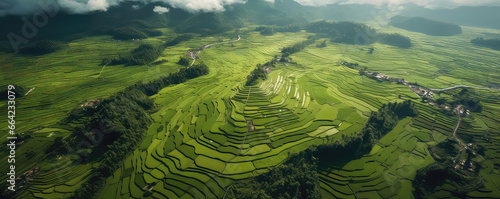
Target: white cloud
{"type": "Point", "coordinates": [160, 9]}
{"type": "Point", "coordinates": [83, 6]}
{"type": "Point", "coordinates": [318, 2]}
{"type": "Point", "coordinates": [98, 5]}
{"type": "Point", "coordinates": [201, 5]}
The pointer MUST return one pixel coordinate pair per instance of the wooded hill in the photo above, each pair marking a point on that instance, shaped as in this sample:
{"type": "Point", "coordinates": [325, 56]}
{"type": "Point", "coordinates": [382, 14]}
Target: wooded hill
{"type": "Point", "coordinates": [426, 26]}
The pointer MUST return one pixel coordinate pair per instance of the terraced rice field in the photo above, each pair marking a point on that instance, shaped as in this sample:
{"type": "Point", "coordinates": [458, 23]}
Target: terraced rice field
{"type": "Point", "coordinates": [211, 131]}
{"type": "Point", "coordinates": [212, 136]}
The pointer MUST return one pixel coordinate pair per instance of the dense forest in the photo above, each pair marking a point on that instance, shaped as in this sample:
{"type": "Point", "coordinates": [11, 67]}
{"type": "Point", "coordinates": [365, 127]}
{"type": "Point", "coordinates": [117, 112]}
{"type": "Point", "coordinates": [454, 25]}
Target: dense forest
{"type": "Point", "coordinates": [295, 179]}
{"type": "Point", "coordinates": [490, 43]}
{"type": "Point", "coordinates": [123, 119]}
{"type": "Point", "coordinates": [426, 26]}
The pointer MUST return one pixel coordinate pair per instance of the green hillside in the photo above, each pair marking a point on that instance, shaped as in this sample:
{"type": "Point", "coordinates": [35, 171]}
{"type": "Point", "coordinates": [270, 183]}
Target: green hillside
{"type": "Point", "coordinates": [255, 100]}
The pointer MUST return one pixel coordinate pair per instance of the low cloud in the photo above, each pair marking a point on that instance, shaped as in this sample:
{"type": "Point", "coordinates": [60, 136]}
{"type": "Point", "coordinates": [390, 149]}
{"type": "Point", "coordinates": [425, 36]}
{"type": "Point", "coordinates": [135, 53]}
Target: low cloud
{"type": "Point", "coordinates": [26, 7]}
{"type": "Point", "coordinates": [201, 5]}
{"type": "Point", "coordinates": [160, 9]}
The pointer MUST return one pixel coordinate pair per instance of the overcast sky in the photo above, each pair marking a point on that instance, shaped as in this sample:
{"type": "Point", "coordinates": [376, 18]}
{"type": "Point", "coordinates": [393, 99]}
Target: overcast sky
{"type": "Point", "coordinates": [83, 6]}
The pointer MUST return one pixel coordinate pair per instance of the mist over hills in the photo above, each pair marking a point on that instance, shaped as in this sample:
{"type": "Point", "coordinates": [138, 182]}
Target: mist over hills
{"type": "Point", "coordinates": [481, 16]}
{"type": "Point", "coordinates": [426, 26]}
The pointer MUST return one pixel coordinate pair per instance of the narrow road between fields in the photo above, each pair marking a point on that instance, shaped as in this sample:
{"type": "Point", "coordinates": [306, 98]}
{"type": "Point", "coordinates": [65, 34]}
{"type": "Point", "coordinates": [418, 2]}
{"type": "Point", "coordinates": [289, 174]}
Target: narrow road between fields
{"type": "Point", "coordinates": [459, 110]}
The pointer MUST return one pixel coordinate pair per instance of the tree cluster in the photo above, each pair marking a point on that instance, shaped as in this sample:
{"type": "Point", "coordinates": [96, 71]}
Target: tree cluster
{"type": "Point", "coordinates": [467, 98]}
{"type": "Point", "coordinates": [289, 28]}
{"type": "Point", "coordinates": [142, 55]}
{"type": "Point", "coordinates": [127, 32]}
{"type": "Point", "coordinates": [299, 46]}
{"type": "Point", "coordinates": [255, 75]}
{"type": "Point", "coordinates": [184, 60]}
{"type": "Point", "coordinates": [178, 77]}
{"type": "Point", "coordinates": [179, 39]}
{"type": "Point", "coordinates": [394, 39]}
{"type": "Point", "coordinates": [383, 121]}
{"type": "Point", "coordinates": [344, 31]}
{"type": "Point", "coordinates": [266, 30]}
{"type": "Point", "coordinates": [41, 47]}
{"type": "Point", "coordinates": [490, 43]}
{"type": "Point", "coordinates": [297, 178]}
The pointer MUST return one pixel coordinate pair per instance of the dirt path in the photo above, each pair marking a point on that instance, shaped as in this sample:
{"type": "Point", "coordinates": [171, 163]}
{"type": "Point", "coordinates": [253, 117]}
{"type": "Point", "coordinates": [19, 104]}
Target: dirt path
{"type": "Point", "coordinates": [459, 110]}
{"type": "Point", "coordinates": [194, 54]}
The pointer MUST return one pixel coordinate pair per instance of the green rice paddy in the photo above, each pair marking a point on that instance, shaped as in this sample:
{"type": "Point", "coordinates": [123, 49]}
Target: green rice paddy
{"type": "Point", "coordinates": [201, 142]}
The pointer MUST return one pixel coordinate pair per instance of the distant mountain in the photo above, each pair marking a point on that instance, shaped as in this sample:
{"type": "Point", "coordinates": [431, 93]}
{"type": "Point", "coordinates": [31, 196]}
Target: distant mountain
{"type": "Point", "coordinates": [131, 19]}
{"type": "Point", "coordinates": [348, 12]}
{"type": "Point", "coordinates": [72, 26]}
{"type": "Point", "coordinates": [481, 16]}
{"type": "Point", "coordinates": [209, 23]}
{"type": "Point", "coordinates": [266, 13]}
{"type": "Point", "coordinates": [426, 26]}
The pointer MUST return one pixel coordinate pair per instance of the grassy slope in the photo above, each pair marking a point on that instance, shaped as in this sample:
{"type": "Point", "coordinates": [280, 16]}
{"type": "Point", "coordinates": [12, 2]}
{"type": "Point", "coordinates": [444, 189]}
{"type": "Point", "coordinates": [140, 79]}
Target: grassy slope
{"type": "Point", "coordinates": [65, 79]}
{"type": "Point", "coordinates": [318, 83]}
